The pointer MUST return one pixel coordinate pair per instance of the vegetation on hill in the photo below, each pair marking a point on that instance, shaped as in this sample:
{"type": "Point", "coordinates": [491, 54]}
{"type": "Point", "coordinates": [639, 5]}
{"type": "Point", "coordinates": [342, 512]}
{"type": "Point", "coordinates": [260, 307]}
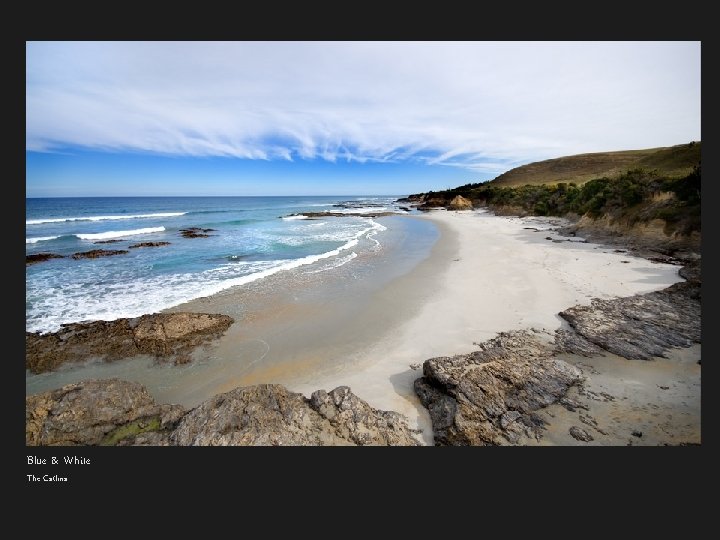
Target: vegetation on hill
{"type": "Point", "coordinates": [673, 161]}
{"type": "Point", "coordinates": [638, 195]}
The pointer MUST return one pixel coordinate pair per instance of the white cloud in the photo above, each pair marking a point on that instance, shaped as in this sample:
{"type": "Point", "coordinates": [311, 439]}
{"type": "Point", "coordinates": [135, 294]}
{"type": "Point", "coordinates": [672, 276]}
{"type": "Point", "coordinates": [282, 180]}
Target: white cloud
{"type": "Point", "coordinates": [483, 106]}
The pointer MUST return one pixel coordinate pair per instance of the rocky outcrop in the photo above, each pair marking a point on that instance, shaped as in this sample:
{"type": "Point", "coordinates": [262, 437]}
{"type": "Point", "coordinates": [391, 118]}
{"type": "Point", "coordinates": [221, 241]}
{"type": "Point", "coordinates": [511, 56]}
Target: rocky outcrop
{"type": "Point", "coordinates": [354, 205]}
{"type": "Point", "coordinates": [195, 232]}
{"type": "Point", "coordinates": [115, 412]}
{"type": "Point", "coordinates": [163, 335]}
{"type": "Point", "coordinates": [96, 413]}
{"type": "Point", "coordinates": [97, 253]}
{"type": "Point", "coordinates": [271, 415]}
{"type": "Point", "coordinates": [315, 215]}
{"type": "Point", "coordinates": [113, 241]}
{"type": "Point", "coordinates": [149, 244]}
{"type": "Point", "coordinates": [643, 238]}
{"type": "Point", "coordinates": [489, 397]}
{"type": "Point", "coordinates": [41, 257]}
{"type": "Point", "coordinates": [430, 202]}
{"type": "Point", "coordinates": [641, 326]}
{"type": "Point", "coordinates": [460, 203]}
{"type": "Point", "coordinates": [415, 198]}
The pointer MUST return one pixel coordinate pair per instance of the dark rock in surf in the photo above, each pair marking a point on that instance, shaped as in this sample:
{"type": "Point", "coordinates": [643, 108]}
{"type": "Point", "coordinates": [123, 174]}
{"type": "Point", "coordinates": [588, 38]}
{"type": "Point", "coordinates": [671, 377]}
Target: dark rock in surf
{"type": "Point", "coordinates": [195, 232]}
{"type": "Point", "coordinates": [41, 257]}
{"type": "Point", "coordinates": [162, 335]}
{"type": "Point", "coordinates": [97, 253]}
{"type": "Point", "coordinates": [149, 244]}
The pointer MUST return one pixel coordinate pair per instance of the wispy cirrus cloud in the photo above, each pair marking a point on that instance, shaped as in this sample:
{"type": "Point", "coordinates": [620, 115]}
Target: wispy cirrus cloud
{"type": "Point", "coordinates": [481, 106]}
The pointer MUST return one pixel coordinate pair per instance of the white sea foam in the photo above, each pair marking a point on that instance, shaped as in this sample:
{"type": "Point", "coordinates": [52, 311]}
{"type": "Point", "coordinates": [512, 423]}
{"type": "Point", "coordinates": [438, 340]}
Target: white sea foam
{"type": "Point", "coordinates": [40, 239]}
{"type": "Point", "coordinates": [102, 218]}
{"type": "Point", "coordinates": [362, 210]}
{"type": "Point", "coordinates": [371, 235]}
{"type": "Point", "coordinates": [337, 263]}
{"type": "Point", "coordinates": [293, 218]}
{"type": "Point", "coordinates": [118, 234]}
{"type": "Point", "coordinates": [60, 303]}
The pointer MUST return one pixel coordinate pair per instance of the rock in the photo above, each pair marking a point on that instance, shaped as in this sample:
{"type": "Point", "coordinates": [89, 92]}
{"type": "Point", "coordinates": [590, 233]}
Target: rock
{"type": "Point", "coordinates": [415, 198]}
{"type": "Point", "coordinates": [404, 208]}
{"type": "Point", "coordinates": [270, 415]}
{"type": "Point", "coordinates": [315, 215]}
{"type": "Point", "coordinates": [572, 342]}
{"type": "Point", "coordinates": [354, 420]}
{"type": "Point", "coordinates": [691, 271]}
{"type": "Point", "coordinates": [580, 434]}
{"type": "Point", "coordinates": [163, 335]}
{"type": "Point", "coordinates": [113, 241]}
{"type": "Point", "coordinates": [96, 253]}
{"type": "Point", "coordinates": [195, 232]}
{"type": "Point", "coordinates": [460, 203]}
{"type": "Point", "coordinates": [489, 397]}
{"type": "Point", "coordinates": [354, 205]}
{"type": "Point", "coordinates": [41, 257]}
{"type": "Point", "coordinates": [637, 434]}
{"type": "Point", "coordinates": [572, 404]}
{"type": "Point", "coordinates": [149, 244]}
{"type": "Point", "coordinates": [115, 412]}
{"type": "Point", "coordinates": [642, 326]}
{"type": "Point", "coordinates": [95, 413]}
{"type": "Point", "coordinates": [432, 202]}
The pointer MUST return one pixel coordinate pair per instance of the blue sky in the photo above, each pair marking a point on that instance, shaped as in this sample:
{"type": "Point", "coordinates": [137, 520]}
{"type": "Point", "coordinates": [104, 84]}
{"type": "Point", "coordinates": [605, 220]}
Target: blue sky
{"type": "Point", "coordinates": [284, 118]}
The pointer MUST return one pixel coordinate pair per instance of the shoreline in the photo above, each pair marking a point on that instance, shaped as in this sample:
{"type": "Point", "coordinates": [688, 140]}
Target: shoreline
{"type": "Point", "coordinates": [461, 294]}
{"type": "Point", "coordinates": [516, 280]}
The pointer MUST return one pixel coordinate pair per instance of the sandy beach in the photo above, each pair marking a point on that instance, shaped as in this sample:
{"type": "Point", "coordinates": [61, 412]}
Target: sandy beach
{"type": "Point", "coordinates": [488, 274]}
{"type": "Point", "coordinates": [371, 331]}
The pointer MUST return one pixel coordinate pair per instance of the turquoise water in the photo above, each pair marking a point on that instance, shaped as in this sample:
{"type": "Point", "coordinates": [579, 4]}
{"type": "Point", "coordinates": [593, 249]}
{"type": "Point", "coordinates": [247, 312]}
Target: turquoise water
{"type": "Point", "coordinates": [253, 237]}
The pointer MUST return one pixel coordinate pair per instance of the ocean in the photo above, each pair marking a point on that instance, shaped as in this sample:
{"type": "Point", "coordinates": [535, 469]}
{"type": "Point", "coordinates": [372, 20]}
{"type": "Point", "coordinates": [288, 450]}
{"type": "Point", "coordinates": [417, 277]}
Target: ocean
{"type": "Point", "coordinates": [252, 238]}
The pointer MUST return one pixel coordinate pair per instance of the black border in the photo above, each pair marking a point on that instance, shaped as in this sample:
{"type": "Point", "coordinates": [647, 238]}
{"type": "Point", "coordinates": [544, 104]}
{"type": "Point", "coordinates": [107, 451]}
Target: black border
{"type": "Point", "coordinates": [488, 478]}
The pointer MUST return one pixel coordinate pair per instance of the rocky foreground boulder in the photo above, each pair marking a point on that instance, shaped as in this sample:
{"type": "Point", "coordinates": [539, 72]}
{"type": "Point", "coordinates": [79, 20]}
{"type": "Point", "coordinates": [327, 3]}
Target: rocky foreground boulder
{"type": "Point", "coordinates": [489, 397]}
{"type": "Point", "coordinates": [638, 327]}
{"type": "Point", "coordinates": [115, 412]}
{"type": "Point", "coordinates": [95, 413]}
{"type": "Point", "coordinates": [162, 335]}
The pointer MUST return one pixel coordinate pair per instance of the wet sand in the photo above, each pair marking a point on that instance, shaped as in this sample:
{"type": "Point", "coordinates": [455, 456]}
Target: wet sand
{"type": "Point", "coordinates": [630, 402]}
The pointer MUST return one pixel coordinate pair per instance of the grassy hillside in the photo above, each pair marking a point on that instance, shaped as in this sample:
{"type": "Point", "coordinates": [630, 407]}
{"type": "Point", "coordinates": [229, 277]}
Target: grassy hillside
{"type": "Point", "coordinates": [663, 184]}
{"type": "Point", "coordinates": [673, 162]}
